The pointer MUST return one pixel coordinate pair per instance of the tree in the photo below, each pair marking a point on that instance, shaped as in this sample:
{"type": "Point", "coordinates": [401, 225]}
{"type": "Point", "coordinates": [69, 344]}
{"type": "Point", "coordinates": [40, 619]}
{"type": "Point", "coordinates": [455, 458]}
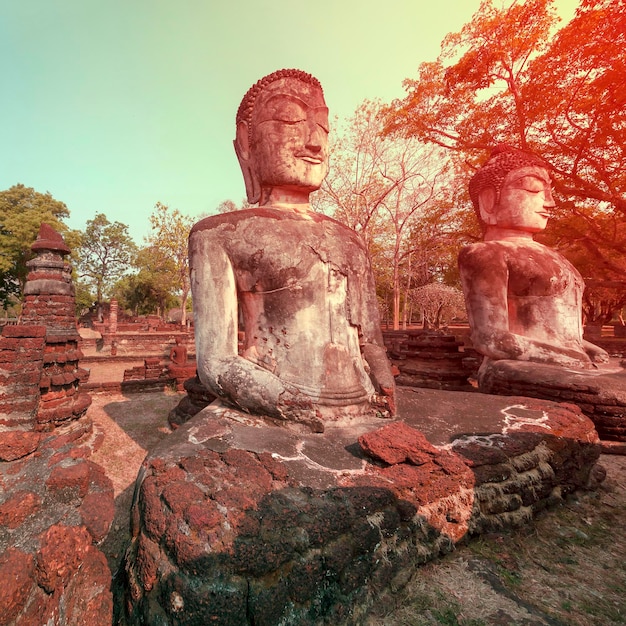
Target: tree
{"type": "Point", "coordinates": [105, 254]}
{"type": "Point", "coordinates": [380, 188]}
{"type": "Point", "coordinates": [228, 206]}
{"type": "Point", "coordinates": [439, 304]}
{"type": "Point", "coordinates": [594, 239]}
{"type": "Point", "coordinates": [22, 211]}
{"type": "Point", "coordinates": [470, 98]}
{"type": "Point", "coordinates": [170, 232]}
{"type": "Point", "coordinates": [581, 114]}
{"type": "Point", "coordinates": [152, 288]}
{"type": "Point", "coordinates": [504, 79]}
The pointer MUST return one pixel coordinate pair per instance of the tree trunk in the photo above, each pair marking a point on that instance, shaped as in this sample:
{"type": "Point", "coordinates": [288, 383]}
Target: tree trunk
{"type": "Point", "coordinates": [183, 304]}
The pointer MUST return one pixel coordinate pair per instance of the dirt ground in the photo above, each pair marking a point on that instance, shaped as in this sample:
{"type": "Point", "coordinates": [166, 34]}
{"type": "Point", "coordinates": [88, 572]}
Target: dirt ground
{"type": "Point", "coordinates": [568, 568]}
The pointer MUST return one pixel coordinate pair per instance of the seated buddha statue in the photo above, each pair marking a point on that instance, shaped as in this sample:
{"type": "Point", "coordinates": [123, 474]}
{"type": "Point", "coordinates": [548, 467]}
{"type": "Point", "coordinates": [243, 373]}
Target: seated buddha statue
{"type": "Point", "coordinates": [524, 300]}
{"type": "Point", "coordinates": [295, 283]}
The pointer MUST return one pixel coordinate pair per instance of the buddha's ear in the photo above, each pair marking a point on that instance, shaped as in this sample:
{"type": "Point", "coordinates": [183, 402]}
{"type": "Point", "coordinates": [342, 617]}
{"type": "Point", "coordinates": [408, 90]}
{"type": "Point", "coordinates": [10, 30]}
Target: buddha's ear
{"type": "Point", "coordinates": [246, 162]}
{"type": "Point", "coordinates": [487, 206]}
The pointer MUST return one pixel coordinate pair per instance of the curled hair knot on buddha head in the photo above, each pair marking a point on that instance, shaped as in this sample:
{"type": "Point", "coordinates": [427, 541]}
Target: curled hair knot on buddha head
{"type": "Point", "coordinates": [244, 112]}
{"type": "Point", "coordinates": [502, 160]}
{"type": "Point", "coordinates": [243, 121]}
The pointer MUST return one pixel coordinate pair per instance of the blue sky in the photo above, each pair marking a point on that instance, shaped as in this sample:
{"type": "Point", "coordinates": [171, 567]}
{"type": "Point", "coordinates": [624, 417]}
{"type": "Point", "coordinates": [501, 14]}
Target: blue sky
{"type": "Point", "coordinates": [114, 106]}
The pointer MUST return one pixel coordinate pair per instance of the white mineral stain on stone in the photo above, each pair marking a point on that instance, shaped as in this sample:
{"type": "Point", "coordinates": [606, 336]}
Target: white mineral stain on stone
{"type": "Point", "coordinates": [516, 422]}
{"type": "Point", "coordinates": [303, 458]}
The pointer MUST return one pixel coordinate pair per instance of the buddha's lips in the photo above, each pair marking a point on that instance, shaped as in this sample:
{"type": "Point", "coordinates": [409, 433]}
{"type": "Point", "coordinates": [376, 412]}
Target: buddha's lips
{"type": "Point", "coordinates": [311, 159]}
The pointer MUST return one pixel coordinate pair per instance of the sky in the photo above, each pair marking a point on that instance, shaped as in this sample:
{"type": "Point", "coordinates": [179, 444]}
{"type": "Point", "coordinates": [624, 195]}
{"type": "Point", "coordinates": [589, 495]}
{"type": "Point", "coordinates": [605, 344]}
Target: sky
{"type": "Point", "coordinates": [113, 106]}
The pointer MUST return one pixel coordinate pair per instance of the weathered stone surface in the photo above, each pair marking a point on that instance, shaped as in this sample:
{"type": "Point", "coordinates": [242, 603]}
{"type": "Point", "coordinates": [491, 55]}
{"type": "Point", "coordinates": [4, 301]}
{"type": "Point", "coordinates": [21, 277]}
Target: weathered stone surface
{"type": "Point", "coordinates": [63, 549]}
{"type": "Point", "coordinates": [432, 359]}
{"type": "Point", "coordinates": [398, 443]}
{"type": "Point", "coordinates": [17, 507]}
{"type": "Point", "coordinates": [71, 499]}
{"type": "Point", "coordinates": [601, 395]}
{"type": "Point", "coordinates": [74, 476]}
{"type": "Point", "coordinates": [297, 283]}
{"type": "Point", "coordinates": [88, 599]}
{"type": "Point", "coordinates": [197, 398]}
{"type": "Point", "coordinates": [16, 575]}
{"type": "Point", "coordinates": [97, 513]}
{"type": "Point", "coordinates": [238, 521]}
{"type": "Point", "coordinates": [524, 300]}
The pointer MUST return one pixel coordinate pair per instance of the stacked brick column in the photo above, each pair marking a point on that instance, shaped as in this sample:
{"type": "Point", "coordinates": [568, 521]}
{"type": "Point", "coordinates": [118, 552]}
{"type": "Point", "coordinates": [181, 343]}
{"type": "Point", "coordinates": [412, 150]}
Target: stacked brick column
{"type": "Point", "coordinates": [49, 302]}
{"type": "Point", "coordinates": [21, 363]}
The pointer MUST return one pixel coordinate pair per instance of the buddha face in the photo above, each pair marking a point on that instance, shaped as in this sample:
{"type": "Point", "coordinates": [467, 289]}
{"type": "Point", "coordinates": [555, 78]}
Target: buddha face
{"type": "Point", "coordinates": [525, 201]}
{"type": "Point", "coordinates": [289, 136]}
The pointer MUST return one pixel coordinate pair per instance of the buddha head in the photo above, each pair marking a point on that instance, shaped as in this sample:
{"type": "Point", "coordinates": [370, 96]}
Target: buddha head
{"type": "Point", "coordinates": [282, 135]}
{"type": "Point", "coordinates": [512, 190]}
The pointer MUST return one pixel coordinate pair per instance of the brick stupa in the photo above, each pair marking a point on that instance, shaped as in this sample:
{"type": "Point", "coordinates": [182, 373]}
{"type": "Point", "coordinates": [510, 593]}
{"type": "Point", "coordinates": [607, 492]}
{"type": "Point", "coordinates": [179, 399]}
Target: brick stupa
{"type": "Point", "coordinates": [49, 301]}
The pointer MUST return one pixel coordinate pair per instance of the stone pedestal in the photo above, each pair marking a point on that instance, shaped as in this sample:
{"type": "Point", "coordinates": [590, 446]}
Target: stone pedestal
{"type": "Point", "coordinates": [238, 521]}
{"type": "Point", "coordinates": [600, 393]}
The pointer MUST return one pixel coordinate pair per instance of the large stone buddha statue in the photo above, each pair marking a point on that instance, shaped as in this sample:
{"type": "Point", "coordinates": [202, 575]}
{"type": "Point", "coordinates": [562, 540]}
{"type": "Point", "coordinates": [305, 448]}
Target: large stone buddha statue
{"type": "Point", "coordinates": [524, 300]}
{"type": "Point", "coordinates": [297, 283]}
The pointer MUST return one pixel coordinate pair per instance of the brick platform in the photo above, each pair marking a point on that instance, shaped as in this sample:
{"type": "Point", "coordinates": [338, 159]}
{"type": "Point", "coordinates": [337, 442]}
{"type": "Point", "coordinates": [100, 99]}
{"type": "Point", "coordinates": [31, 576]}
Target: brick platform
{"type": "Point", "coordinates": [238, 521]}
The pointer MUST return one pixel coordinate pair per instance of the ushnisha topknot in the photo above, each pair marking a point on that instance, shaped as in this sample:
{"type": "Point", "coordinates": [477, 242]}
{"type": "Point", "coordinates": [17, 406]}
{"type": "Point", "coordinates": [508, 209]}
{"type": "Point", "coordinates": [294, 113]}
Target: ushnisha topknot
{"type": "Point", "coordinates": [244, 112]}
{"type": "Point", "coordinates": [502, 160]}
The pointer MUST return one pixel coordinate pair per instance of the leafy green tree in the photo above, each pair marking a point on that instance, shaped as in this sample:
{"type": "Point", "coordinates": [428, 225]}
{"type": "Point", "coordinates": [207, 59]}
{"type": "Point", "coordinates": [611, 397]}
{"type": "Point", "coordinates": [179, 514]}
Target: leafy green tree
{"type": "Point", "coordinates": [84, 297]}
{"type": "Point", "coordinates": [22, 211]}
{"type": "Point", "coordinates": [105, 254]}
{"type": "Point", "coordinates": [505, 78]}
{"type": "Point", "coordinates": [151, 289]}
{"type": "Point", "coordinates": [168, 240]}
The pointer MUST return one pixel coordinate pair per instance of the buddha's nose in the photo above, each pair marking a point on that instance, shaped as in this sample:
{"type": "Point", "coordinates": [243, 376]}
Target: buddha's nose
{"type": "Point", "coordinates": [549, 198]}
{"type": "Point", "coordinates": [315, 138]}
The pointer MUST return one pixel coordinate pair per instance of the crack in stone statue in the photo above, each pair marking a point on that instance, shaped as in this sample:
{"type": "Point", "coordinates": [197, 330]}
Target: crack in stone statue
{"type": "Point", "coordinates": [298, 283]}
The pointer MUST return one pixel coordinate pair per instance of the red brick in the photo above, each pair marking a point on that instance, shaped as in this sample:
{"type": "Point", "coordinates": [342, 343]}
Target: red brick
{"type": "Point", "coordinates": [18, 507]}
{"type": "Point", "coordinates": [204, 516]}
{"type": "Point", "coordinates": [88, 599]}
{"type": "Point", "coordinates": [41, 609]}
{"type": "Point", "coordinates": [180, 495]}
{"type": "Point", "coordinates": [148, 557]}
{"type": "Point", "coordinates": [81, 403]}
{"type": "Point", "coordinates": [97, 511]}
{"type": "Point", "coordinates": [58, 414]}
{"type": "Point", "coordinates": [98, 480]}
{"type": "Point", "coordinates": [23, 330]}
{"type": "Point", "coordinates": [72, 476]}
{"type": "Point", "coordinates": [63, 549]}
{"type": "Point", "coordinates": [16, 582]}
{"type": "Point", "coordinates": [153, 517]}
{"type": "Point", "coordinates": [17, 444]}
{"type": "Point", "coordinates": [78, 429]}
{"type": "Point", "coordinates": [53, 400]}
{"type": "Point", "coordinates": [398, 443]}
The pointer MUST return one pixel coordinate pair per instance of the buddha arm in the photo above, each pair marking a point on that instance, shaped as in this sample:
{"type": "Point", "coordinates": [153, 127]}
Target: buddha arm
{"type": "Point", "coordinates": [372, 345]}
{"type": "Point", "coordinates": [485, 277]}
{"type": "Point", "coordinates": [228, 375]}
